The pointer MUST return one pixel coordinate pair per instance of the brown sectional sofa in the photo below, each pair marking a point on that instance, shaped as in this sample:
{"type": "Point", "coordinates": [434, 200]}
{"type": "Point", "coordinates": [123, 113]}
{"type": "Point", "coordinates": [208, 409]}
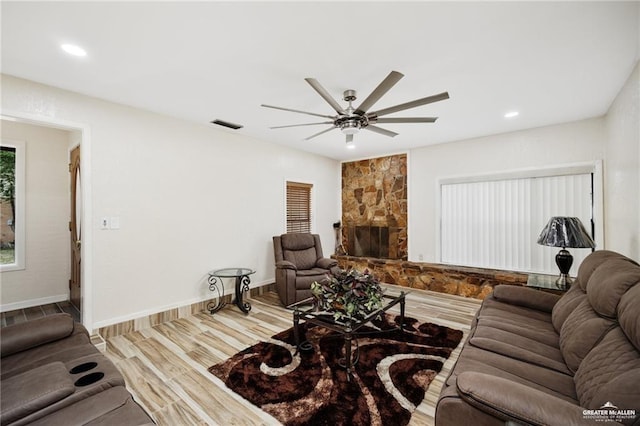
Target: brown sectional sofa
{"type": "Point", "coordinates": [51, 374]}
{"type": "Point", "coordinates": [537, 358]}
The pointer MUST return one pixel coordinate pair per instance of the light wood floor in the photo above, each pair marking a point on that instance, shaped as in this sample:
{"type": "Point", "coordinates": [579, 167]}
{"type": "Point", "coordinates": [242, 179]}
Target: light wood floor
{"type": "Point", "coordinates": [165, 367]}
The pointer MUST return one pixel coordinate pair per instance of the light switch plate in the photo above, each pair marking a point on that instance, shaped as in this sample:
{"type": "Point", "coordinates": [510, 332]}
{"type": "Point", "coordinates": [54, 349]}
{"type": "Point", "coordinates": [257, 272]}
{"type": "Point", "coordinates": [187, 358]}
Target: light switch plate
{"type": "Point", "coordinates": [114, 222]}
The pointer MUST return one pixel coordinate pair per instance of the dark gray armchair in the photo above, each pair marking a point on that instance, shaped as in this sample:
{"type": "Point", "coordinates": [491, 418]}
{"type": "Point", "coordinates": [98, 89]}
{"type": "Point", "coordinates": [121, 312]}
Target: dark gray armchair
{"type": "Point", "coordinates": [299, 262]}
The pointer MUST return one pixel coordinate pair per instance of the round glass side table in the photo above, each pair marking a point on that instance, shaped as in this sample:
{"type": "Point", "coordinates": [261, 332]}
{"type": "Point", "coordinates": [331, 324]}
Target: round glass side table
{"type": "Point", "coordinates": [242, 286]}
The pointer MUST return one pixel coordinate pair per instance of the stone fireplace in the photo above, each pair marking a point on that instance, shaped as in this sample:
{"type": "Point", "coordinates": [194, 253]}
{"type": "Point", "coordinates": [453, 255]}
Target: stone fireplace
{"type": "Point", "coordinates": [374, 207]}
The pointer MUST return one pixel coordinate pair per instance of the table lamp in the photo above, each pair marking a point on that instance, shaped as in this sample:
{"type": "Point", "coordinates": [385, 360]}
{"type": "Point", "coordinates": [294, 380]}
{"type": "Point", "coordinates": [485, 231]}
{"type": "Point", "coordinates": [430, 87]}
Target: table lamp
{"type": "Point", "coordinates": [565, 232]}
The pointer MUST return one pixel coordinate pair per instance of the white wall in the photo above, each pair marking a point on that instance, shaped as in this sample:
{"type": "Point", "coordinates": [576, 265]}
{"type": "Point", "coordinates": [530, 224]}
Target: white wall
{"type": "Point", "coordinates": [569, 143]}
{"type": "Point", "coordinates": [622, 169]}
{"type": "Point", "coordinates": [190, 198]}
{"type": "Point", "coordinates": [46, 274]}
{"type": "Point", "coordinates": [614, 138]}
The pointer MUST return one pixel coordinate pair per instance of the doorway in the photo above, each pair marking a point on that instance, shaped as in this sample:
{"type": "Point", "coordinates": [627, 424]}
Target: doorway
{"type": "Point", "coordinates": [75, 230]}
{"type": "Point", "coordinates": [81, 137]}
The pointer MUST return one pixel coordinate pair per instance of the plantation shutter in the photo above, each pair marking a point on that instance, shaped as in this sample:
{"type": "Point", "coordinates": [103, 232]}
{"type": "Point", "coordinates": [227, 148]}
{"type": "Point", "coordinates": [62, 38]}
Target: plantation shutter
{"type": "Point", "coordinates": [298, 207]}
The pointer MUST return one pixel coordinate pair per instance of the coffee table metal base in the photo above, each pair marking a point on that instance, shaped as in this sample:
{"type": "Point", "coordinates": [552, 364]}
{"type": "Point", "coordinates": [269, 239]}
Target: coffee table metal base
{"type": "Point", "coordinates": [347, 330]}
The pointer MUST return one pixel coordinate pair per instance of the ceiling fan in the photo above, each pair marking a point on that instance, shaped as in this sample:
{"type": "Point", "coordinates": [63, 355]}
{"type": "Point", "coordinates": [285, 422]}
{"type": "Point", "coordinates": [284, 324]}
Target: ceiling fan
{"type": "Point", "coordinates": [350, 120]}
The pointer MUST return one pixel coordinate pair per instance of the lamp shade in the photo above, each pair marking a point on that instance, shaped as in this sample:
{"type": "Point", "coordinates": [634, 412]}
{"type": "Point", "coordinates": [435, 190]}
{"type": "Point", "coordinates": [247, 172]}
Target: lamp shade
{"type": "Point", "coordinates": [565, 232]}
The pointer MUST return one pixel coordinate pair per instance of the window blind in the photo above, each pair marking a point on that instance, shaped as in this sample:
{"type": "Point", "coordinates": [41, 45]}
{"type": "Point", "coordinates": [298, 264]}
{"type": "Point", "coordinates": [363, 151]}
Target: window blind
{"type": "Point", "coordinates": [495, 223]}
{"type": "Point", "coordinates": [299, 207]}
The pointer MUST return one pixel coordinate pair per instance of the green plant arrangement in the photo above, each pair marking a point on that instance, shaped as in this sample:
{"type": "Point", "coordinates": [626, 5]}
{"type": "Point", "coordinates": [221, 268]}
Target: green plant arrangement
{"type": "Point", "coordinates": [349, 294]}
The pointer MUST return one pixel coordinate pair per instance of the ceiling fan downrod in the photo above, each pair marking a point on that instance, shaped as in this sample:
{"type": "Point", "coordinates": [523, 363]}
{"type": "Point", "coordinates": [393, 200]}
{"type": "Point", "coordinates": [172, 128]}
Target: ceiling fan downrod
{"type": "Point", "coordinates": [351, 123]}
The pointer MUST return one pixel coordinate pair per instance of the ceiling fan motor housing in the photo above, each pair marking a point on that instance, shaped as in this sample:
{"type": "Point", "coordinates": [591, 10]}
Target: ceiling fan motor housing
{"type": "Point", "coordinates": [349, 95]}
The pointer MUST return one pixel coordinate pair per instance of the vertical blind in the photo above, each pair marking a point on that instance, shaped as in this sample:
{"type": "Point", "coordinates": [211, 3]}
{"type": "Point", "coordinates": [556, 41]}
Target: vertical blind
{"type": "Point", "coordinates": [298, 207]}
{"type": "Point", "coordinates": [496, 223]}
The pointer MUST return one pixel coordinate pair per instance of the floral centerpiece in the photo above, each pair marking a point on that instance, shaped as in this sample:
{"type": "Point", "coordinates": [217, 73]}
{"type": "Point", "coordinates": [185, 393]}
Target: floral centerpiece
{"type": "Point", "coordinates": [349, 294]}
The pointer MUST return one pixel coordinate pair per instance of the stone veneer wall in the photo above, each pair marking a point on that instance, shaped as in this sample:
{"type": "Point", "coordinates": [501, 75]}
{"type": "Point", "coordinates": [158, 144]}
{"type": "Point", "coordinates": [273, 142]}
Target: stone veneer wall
{"type": "Point", "coordinates": [374, 193]}
{"type": "Point", "coordinates": [458, 280]}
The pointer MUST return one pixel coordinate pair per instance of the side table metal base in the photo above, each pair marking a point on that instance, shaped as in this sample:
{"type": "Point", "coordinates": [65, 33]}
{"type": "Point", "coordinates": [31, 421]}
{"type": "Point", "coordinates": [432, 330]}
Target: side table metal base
{"type": "Point", "coordinates": [242, 282]}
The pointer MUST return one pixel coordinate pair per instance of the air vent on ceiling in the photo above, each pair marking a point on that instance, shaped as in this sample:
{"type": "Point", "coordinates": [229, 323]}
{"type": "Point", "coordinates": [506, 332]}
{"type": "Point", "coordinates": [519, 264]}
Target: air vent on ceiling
{"type": "Point", "coordinates": [227, 124]}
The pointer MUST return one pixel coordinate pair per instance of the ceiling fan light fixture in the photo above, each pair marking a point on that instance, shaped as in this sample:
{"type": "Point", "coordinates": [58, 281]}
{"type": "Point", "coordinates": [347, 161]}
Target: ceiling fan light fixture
{"type": "Point", "coordinates": [350, 127]}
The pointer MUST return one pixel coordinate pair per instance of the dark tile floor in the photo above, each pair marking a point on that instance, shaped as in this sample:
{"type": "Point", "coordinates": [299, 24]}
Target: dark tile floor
{"type": "Point", "coordinates": [26, 314]}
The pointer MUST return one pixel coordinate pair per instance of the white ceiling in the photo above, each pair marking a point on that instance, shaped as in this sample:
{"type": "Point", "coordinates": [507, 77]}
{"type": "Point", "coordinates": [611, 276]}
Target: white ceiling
{"type": "Point", "coordinates": [553, 61]}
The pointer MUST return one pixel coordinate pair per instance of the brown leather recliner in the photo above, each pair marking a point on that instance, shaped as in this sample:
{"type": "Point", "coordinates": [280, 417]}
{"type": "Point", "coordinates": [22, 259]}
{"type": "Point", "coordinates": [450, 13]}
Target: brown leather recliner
{"type": "Point", "coordinates": [299, 262]}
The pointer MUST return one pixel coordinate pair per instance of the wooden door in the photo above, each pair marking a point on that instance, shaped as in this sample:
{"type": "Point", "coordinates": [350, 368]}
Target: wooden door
{"type": "Point", "coordinates": [75, 228]}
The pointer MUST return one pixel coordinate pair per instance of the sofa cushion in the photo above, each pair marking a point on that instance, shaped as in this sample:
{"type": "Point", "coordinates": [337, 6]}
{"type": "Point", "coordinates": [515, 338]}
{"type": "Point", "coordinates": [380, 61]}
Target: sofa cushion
{"type": "Point", "coordinates": [303, 259]}
{"type": "Point", "coordinates": [609, 283]}
{"type": "Point", "coordinates": [26, 335]}
{"type": "Point", "coordinates": [628, 316]}
{"type": "Point", "coordinates": [582, 330]}
{"type": "Point", "coordinates": [536, 377]}
{"type": "Point", "coordinates": [518, 347]}
{"type": "Point", "coordinates": [33, 390]}
{"type": "Point", "coordinates": [566, 305]}
{"type": "Point", "coordinates": [64, 350]}
{"type": "Point", "coordinates": [510, 400]}
{"type": "Point", "coordinates": [526, 297]}
{"type": "Point", "coordinates": [610, 373]}
{"type": "Point", "coordinates": [593, 262]}
{"type": "Point", "coordinates": [544, 335]}
{"type": "Point", "coordinates": [114, 406]}
{"type": "Point", "coordinates": [492, 308]}
{"type": "Point", "coordinates": [297, 241]}
{"type": "Point", "coordinates": [317, 273]}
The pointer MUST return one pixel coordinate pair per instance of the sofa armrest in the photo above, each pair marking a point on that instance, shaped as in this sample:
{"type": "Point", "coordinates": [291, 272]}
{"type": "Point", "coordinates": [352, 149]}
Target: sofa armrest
{"type": "Point", "coordinates": [33, 390]}
{"type": "Point", "coordinates": [285, 264]}
{"type": "Point", "coordinates": [527, 297]}
{"type": "Point", "coordinates": [326, 263]}
{"type": "Point", "coordinates": [26, 335]}
{"type": "Point", "coordinates": [509, 400]}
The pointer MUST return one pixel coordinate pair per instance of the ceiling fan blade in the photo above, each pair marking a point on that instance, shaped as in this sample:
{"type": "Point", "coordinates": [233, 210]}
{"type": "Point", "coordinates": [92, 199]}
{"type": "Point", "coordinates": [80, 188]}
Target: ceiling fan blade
{"type": "Point", "coordinates": [319, 133]}
{"type": "Point", "coordinates": [349, 138]}
{"type": "Point", "coordinates": [300, 125]}
{"type": "Point", "coordinates": [378, 92]}
{"type": "Point", "coordinates": [325, 95]}
{"type": "Point", "coordinates": [406, 120]}
{"type": "Point", "coordinates": [297, 110]}
{"type": "Point", "coordinates": [429, 99]}
{"type": "Point", "coordinates": [381, 131]}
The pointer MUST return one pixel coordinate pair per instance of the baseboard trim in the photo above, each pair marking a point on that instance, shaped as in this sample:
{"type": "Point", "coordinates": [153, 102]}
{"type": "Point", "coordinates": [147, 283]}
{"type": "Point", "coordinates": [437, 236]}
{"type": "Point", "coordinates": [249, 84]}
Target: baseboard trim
{"type": "Point", "coordinates": [147, 319]}
{"type": "Point", "coordinates": [34, 302]}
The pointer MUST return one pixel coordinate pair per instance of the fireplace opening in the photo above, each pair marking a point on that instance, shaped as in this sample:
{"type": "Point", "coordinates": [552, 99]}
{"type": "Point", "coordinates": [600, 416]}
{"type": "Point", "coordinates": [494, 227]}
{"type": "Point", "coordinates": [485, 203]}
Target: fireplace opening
{"type": "Point", "coordinates": [369, 241]}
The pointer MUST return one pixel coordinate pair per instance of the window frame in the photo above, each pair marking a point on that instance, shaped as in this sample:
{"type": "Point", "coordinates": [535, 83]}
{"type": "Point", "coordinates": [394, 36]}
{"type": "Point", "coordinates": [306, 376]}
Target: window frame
{"type": "Point", "coordinates": [312, 212]}
{"type": "Point", "coordinates": [591, 167]}
{"type": "Point", "coordinates": [20, 203]}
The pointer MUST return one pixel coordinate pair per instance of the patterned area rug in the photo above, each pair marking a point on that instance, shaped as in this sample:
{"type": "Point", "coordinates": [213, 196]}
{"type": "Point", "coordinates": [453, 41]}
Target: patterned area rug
{"type": "Point", "coordinates": [393, 371]}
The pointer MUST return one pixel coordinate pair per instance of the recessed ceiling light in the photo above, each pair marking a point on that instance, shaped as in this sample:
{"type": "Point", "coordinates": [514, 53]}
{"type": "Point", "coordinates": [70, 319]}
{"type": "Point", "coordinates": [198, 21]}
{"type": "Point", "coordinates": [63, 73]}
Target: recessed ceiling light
{"type": "Point", "coordinates": [351, 146]}
{"type": "Point", "coordinates": [73, 49]}
{"type": "Point", "coordinates": [511, 114]}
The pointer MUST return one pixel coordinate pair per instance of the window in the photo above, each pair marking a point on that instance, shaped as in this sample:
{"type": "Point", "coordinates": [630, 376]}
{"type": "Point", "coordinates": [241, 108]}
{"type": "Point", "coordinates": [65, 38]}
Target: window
{"type": "Point", "coordinates": [299, 217]}
{"type": "Point", "coordinates": [494, 222]}
{"type": "Point", "coordinates": [12, 202]}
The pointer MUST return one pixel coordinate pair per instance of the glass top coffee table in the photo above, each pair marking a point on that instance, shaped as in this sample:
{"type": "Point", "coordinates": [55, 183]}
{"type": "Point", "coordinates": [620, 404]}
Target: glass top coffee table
{"type": "Point", "coordinates": [308, 311]}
